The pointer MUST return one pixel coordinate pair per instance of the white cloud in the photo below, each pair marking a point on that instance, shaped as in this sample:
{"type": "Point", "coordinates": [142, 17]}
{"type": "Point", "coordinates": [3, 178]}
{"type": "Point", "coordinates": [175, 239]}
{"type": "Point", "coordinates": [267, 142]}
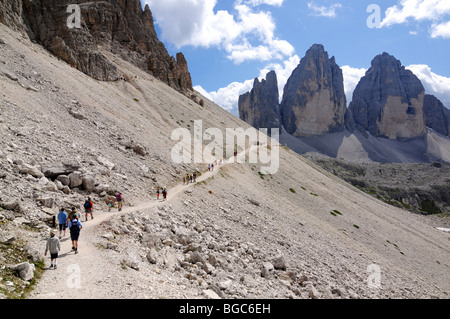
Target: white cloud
{"type": "Point", "coordinates": [255, 3]}
{"type": "Point", "coordinates": [417, 10]}
{"type": "Point", "coordinates": [324, 11]}
{"type": "Point", "coordinates": [352, 76]}
{"type": "Point", "coordinates": [228, 96]}
{"type": "Point", "coordinates": [434, 84]}
{"type": "Point", "coordinates": [244, 35]}
{"type": "Point", "coordinates": [441, 30]}
{"type": "Point", "coordinates": [436, 11]}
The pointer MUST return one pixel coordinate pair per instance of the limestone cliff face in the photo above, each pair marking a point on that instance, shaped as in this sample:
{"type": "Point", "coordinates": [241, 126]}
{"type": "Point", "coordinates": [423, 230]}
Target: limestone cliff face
{"type": "Point", "coordinates": [260, 106]}
{"type": "Point", "coordinates": [388, 101]}
{"type": "Point", "coordinates": [119, 26]}
{"type": "Point", "coordinates": [314, 100]}
{"type": "Point", "coordinates": [437, 116]}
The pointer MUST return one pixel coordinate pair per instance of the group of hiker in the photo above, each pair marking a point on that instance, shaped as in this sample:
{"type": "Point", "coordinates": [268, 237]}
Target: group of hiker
{"type": "Point", "coordinates": [162, 191]}
{"type": "Point", "coordinates": [117, 199]}
{"type": "Point", "coordinates": [187, 179]}
{"type": "Point", "coordinates": [72, 221]}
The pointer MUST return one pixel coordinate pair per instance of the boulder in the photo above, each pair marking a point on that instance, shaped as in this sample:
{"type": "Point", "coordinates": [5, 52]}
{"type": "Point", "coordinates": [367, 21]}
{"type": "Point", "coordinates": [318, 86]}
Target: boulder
{"type": "Point", "coordinates": [24, 270]}
{"type": "Point", "coordinates": [31, 170]}
{"type": "Point", "coordinates": [64, 179]}
{"type": "Point", "coordinates": [279, 262]}
{"type": "Point", "coordinates": [152, 256]}
{"type": "Point", "coordinates": [267, 270]}
{"type": "Point", "coordinates": [76, 179]}
{"type": "Point", "coordinates": [88, 184]}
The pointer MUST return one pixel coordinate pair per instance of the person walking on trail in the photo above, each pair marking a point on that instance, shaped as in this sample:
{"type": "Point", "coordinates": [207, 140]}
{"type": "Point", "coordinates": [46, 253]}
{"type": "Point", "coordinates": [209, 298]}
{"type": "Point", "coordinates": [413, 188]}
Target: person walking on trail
{"type": "Point", "coordinates": [73, 212]}
{"type": "Point", "coordinates": [119, 200]}
{"type": "Point", "coordinates": [212, 167]}
{"type": "Point", "coordinates": [109, 202]}
{"type": "Point", "coordinates": [157, 194]}
{"type": "Point", "coordinates": [62, 221]}
{"type": "Point", "coordinates": [88, 208]}
{"type": "Point", "coordinates": [53, 246]}
{"type": "Point", "coordinates": [164, 192]}
{"type": "Point", "coordinates": [209, 167]}
{"type": "Point", "coordinates": [194, 176]}
{"type": "Point", "coordinates": [75, 227]}
{"type": "Point", "coordinates": [187, 178]}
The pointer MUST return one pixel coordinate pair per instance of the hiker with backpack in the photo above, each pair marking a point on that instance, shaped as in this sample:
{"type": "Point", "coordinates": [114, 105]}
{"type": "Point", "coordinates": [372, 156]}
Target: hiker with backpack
{"type": "Point", "coordinates": [88, 208]}
{"type": "Point", "coordinates": [194, 176]}
{"type": "Point", "coordinates": [119, 200]}
{"type": "Point", "coordinates": [75, 227]}
{"type": "Point", "coordinates": [164, 192]}
{"type": "Point", "coordinates": [157, 194]}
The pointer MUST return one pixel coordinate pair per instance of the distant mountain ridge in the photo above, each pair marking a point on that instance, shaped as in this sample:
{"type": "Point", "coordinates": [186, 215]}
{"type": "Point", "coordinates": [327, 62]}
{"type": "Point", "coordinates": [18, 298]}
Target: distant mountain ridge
{"type": "Point", "coordinates": [389, 104]}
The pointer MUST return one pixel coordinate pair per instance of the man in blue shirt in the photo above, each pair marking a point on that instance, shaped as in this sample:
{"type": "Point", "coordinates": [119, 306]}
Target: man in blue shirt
{"type": "Point", "coordinates": [62, 221]}
{"type": "Point", "coordinates": [75, 226]}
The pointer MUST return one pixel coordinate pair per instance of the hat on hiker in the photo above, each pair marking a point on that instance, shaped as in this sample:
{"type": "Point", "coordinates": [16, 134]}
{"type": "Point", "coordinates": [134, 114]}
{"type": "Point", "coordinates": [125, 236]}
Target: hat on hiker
{"type": "Point", "coordinates": [52, 233]}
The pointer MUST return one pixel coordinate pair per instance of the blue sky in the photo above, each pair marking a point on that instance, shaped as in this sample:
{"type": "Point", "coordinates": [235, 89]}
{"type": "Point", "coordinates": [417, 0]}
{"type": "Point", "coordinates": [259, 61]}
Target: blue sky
{"type": "Point", "coordinates": [229, 43]}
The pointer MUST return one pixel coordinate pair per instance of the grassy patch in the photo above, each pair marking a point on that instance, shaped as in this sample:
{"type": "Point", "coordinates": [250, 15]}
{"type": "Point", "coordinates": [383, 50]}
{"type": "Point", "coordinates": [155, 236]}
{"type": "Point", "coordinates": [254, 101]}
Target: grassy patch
{"type": "Point", "coordinates": [314, 194]}
{"type": "Point", "coordinates": [15, 253]}
{"type": "Point", "coordinates": [292, 190]}
{"type": "Point", "coordinates": [356, 226]}
{"type": "Point", "coordinates": [429, 206]}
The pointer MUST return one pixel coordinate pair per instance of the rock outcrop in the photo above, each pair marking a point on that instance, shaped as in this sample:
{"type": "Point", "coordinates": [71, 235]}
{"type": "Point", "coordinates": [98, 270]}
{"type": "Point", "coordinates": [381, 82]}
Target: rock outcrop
{"type": "Point", "coordinates": [437, 116]}
{"type": "Point", "coordinates": [121, 27]}
{"type": "Point", "coordinates": [314, 101]}
{"type": "Point", "coordinates": [388, 101]}
{"type": "Point", "coordinates": [260, 106]}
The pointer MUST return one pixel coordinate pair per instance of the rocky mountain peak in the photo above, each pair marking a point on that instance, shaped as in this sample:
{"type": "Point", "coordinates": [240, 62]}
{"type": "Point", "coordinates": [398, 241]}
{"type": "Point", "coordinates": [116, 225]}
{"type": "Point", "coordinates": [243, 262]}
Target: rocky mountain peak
{"type": "Point", "coordinates": [260, 106]}
{"type": "Point", "coordinates": [388, 101]}
{"type": "Point", "coordinates": [314, 100]}
{"type": "Point", "coordinates": [119, 26]}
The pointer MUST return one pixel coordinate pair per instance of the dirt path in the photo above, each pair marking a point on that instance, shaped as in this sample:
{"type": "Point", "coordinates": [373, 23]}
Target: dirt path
{"type": "Point", "coordinates": [90, 274]}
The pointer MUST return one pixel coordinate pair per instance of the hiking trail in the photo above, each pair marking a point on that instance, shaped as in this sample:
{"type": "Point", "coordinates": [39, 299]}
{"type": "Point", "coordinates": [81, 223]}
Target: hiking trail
{"type": "Point", "coordinates": [79, 275]}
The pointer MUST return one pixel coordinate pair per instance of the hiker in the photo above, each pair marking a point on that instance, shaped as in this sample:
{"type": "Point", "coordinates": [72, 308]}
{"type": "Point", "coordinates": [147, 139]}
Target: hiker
{"type": "Point", "coordinates": [164, 192]}
{"type": "Point", "coordinates": [73, 212]}
{"type": "Point", "coordinates": [54, 246]}
{"type": "Point", "coordinates": [184, 179]}
{"type": "Point", "coordinates": [62, 221]}
{"type": "Point", "coordinates": [157, 194]}
{"type": "Point", "coordinates": [88, 208]}
{"type": "Point", "coordinates": [190, 178]}
{"type": "Point", "coordinates": [194, 176]}
{"type": "Point", "coordinates": [212, 167]}
{"type": "Point", "coordinates": [75, 226]}
{"type": "Point", "coordinates": [109, 202]}
{"type": "Point", "coordinates": [119, 200]}
{"type": "Point", "coordinates": [187, 178]}
{"type": "Point", "coordinates": [209, 167]}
